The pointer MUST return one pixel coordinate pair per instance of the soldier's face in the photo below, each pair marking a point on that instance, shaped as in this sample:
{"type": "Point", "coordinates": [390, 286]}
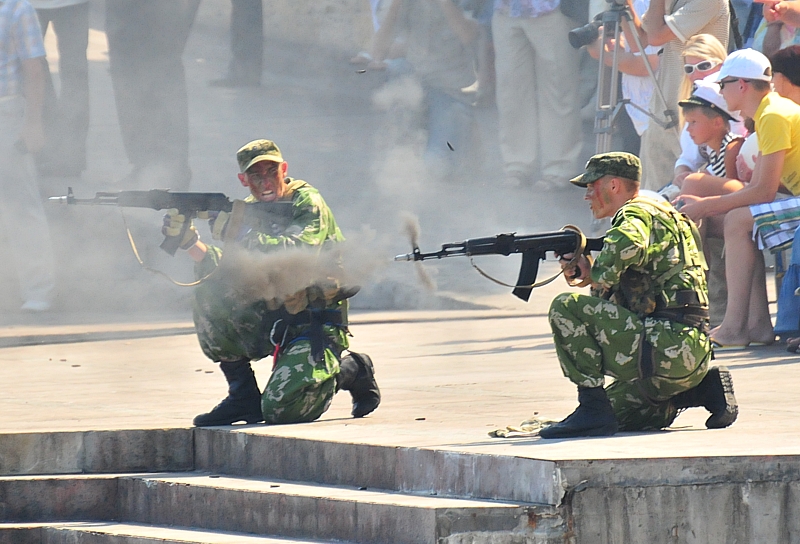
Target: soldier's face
{"type": "Point", "coordinates": [265, 180]}
{"type": "Point", "coordinates": [598, 193]}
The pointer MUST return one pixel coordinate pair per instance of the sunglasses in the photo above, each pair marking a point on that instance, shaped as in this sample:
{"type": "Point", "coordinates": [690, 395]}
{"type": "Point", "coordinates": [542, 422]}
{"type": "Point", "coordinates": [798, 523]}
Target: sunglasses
{"type": "Point", "coordinates": [702, 66]}
{"type": "Point", "coordinates": [728, 81]}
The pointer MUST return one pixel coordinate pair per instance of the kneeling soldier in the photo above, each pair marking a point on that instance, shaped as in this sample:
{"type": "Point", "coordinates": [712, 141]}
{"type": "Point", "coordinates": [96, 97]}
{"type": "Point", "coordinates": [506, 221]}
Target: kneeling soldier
{"type": "Point", "coordinates": [646, 321]}
{"type": "Point", "coordinates": [306, 332]}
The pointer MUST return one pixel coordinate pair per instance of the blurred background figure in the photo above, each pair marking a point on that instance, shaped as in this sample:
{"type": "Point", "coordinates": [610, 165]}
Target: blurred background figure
{"type": "Point", "coordinates": [484, 86]}
{"type": "Point", "coordinates": [22, 77]}
{"type": "Point", "coordinates": [537, 93]}
{"type": "Point", "coordinates": [672, 28]}
{"type": "Point", "coordinates": [635, 82]}
{"type": "Point", "coordinates": [146, 39]}
{"type": "Point", "coordinates": [779, 28]}
{"type": "Point", "coordinates": [440, 37]}
{"type": "Point", "coordinates": [247, 45]}
{"type": "Point", "coordinates": [66, 114]}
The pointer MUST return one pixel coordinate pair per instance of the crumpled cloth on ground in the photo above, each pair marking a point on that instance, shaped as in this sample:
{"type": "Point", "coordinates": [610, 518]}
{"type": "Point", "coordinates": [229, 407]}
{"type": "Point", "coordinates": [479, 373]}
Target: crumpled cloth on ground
{"type": "Point", "coordinates": [527, 429]}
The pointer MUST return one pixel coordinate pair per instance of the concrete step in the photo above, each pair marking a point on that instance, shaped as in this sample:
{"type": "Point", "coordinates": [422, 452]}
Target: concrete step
{"type": "Point", "coordinates": [422, 471]}
{"type": "Point", "coordinates": [300, 510]}
{"type": "Point", "coordinates": [247, 451]}
{"type": "Point", "coordinates": [60, 497]}
{"type": "Point", "coordinates": [126, 533]}
{"type": "Point", "coordinates": [253, 505]}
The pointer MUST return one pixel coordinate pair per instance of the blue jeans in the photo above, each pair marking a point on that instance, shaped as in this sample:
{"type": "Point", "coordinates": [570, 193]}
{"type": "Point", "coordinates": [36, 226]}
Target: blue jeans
{"type": "Point", "coordinates": [450, 126]}
{"type": "Point", "coordinates": [449, 123]}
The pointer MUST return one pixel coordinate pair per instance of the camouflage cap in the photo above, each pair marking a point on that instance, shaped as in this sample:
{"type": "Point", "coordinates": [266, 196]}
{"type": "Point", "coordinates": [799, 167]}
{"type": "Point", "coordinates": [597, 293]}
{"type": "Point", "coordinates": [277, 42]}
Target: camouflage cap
{"type": "Point", "coordinates": [257, 151]}
{"type": "Point", "coordinates": [624, 165]}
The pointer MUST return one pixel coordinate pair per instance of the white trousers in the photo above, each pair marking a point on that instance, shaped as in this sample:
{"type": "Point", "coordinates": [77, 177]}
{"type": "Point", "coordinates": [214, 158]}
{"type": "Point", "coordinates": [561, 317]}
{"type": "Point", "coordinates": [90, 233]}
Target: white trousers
{"type": "Point", "coordinates": [537, 95]}
{"type": "Point", "coordinates": [22, 212]}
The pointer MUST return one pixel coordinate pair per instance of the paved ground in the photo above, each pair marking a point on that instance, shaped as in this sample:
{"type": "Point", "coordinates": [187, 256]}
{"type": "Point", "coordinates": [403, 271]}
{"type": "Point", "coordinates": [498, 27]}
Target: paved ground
{"type": "Point", "coordinates": [448, 377]}
{"type": "Point", "coordinates": [118, 351]}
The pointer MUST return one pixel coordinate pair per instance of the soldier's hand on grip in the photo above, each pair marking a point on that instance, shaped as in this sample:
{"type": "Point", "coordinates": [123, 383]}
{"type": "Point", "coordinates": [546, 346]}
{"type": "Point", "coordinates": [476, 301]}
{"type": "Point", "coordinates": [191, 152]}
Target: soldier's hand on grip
{"type": "Point", "coordinates": [217, 221]}
{"type": "Point", "coordinates": [175, 225]}
{"type": "Point", "coordinates": [578, 271]}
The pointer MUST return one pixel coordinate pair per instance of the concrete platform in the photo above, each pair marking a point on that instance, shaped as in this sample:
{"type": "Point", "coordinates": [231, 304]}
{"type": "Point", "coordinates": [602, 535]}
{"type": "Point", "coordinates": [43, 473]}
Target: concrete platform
{"type": "Point", "coordinates": [448, 378]}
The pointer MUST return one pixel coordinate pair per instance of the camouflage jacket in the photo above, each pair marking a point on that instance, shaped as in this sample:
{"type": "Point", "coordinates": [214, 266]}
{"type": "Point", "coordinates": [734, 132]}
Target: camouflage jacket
{"type": "Point", "coordinates": [312, 224]}
{"type": "Point", "coordinates": [651, 257]}
{"type": "Point", "coordinates": [230, 326]}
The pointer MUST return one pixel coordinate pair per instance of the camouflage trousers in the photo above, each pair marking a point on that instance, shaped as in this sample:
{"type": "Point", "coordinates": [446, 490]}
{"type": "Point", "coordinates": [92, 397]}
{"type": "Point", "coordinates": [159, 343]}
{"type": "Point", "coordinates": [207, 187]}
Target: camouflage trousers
{"type": "Point", "coordinates": [651, 360]}
{"type": "Point", "coordinates": [301, 386]}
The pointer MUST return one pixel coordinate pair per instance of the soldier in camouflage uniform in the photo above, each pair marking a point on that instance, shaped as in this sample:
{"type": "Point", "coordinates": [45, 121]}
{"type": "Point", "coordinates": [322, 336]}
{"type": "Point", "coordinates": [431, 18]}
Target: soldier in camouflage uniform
{"type": "Point", "coordinates": [306, 332]}
{"type": "Point", "coordinates": [645, 323]}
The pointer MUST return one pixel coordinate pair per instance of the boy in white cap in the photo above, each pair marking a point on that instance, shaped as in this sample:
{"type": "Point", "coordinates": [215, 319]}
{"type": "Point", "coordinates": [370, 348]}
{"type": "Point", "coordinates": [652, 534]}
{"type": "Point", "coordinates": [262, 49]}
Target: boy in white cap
{"type": "Point", "coordinates": [745, 83]}
{"type": "Point", "coordinates": [708, 124]}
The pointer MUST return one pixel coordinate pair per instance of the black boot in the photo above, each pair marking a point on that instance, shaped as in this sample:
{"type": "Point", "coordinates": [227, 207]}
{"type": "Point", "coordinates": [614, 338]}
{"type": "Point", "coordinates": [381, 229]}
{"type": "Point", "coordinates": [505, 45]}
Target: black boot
{"type": "Point", "coordinates": [357, 375]}
{"type": "Point", "coordinates": [715, 394]}
{"type": "Point", "coordinates": [243, 402]}
{"type": "Point", "coordinates": [593, 417]}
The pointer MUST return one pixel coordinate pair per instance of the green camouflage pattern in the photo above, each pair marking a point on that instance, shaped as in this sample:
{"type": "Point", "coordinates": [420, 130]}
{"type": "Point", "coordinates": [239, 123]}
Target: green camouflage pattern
{"type": "Point", "coordinates": [312, 223]}
{"type": "Point", "coordinates": [301, 387]}
{"type": "Point", "coordinates": [651, 250]}
{"type": "Point", "coordinates": [231, 329]}
{"type": "Point", "coordinates": [257, 151]}
{"type": "Point", "coordinates": [616, 163]}
{"type": "Point", "coordinates": [595, 337]}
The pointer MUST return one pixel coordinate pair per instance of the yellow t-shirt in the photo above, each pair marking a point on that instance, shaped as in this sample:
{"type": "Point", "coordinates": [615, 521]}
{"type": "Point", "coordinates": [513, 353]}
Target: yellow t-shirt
{"type": "Point", "coordinates": [778, 127]}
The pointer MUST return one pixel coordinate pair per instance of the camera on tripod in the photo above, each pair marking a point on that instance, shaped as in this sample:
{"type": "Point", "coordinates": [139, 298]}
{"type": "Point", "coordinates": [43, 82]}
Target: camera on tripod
{"type": "Point", "coordinates": [589, 32]}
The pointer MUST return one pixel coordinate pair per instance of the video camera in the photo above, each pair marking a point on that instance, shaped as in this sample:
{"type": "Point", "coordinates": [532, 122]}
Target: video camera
{"type": "Point", "coordinates": [589, 32]}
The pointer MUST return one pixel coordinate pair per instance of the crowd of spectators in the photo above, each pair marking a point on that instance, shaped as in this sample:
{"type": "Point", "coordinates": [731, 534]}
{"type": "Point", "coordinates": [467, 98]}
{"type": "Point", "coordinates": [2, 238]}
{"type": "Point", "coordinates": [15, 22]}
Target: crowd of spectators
{"type": "Point", "coordinates": [716, 100]}
{"type": "Point", "coordinates": [515, 54]}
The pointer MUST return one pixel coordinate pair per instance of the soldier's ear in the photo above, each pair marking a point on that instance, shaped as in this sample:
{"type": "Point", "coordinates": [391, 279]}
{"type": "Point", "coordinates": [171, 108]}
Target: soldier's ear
{"type": "Point", "coordinates": [242, 180]}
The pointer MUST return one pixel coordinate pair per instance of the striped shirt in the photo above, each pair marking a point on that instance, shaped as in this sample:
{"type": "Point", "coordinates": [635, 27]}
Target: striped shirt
{"type": "Point", "coordinates": [20, 39]}
{"type": "Point", "coordinates": [716, 159]}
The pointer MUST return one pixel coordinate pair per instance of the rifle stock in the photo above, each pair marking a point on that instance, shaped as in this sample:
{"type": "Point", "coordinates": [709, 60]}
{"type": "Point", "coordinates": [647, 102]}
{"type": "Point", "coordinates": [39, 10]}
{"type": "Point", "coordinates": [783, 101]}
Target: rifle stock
{"type": "Point", "coordinates": [533, 247]}
{"type": "Point", "coordinates": [187, 203]}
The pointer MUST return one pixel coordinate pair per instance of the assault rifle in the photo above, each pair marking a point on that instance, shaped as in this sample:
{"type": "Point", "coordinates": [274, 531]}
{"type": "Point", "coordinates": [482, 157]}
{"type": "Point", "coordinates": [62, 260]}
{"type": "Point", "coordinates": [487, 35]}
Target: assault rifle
{"type": "Point", "coordinates": [532, 246]}
{"type": "Point", "coordinates": [266, 213]}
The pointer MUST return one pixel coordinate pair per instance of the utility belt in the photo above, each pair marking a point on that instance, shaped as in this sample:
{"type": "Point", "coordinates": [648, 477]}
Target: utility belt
{"type": "Point", "coordinates": [691, 316]}
{"type": "Point", "coordinates": [313, 322]}
{"type": "Point", "coordinates": [687, 312]}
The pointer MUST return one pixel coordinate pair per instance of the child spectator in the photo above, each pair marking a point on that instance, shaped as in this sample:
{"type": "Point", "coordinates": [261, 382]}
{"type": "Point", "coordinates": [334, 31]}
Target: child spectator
{"type": "Point", "coordinates": [708, 121]}
{"type": "Point", "coordinates": [708, 124]}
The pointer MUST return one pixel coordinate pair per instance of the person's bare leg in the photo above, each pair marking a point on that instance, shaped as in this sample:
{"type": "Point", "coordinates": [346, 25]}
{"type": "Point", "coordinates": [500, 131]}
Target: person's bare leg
{"type": "Point", "coordinates": [759, 325]}
{"type": "Point", "coordinates": [712, 232]}
{"type": "Point", "coordinates": [741, 264]}
{"type": "Point", "coordinates": [700, 184]}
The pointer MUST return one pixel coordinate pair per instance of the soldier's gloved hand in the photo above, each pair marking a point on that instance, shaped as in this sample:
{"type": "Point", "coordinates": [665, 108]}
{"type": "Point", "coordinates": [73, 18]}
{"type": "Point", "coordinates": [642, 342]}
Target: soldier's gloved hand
{"type": "Point", "coordinates": [576, 273]}
{"type": "Point", "coordinates": [217, 221]}
{"type": "Point", "coordinates": [174, 223]}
